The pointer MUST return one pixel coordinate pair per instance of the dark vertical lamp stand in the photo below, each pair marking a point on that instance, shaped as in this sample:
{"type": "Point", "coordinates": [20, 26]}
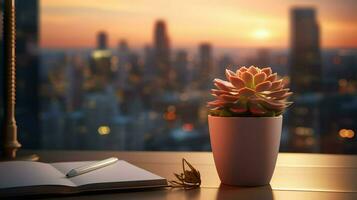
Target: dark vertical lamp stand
{"type": "Point", "coordinates": [10, 143]}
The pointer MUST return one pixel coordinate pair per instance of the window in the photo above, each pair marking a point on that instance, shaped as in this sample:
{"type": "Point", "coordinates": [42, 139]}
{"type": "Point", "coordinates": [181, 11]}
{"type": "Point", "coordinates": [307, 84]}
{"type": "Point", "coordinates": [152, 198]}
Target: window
{"type": "Point", "coordinates": [136, 75]}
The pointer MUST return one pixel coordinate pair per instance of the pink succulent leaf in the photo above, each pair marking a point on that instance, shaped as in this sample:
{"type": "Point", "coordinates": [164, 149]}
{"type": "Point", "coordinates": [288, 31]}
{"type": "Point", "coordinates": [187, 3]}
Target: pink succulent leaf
{"type": "Point", "coordinates": [288, 103]}
{"type": "Point", "coordinates": [253, 70]}
{"type": "Point", "coordinates": [279, 88]}
{"type": "Point", "coordinates": [246, 92]}
{"type": "Point", "coordinates": [238, 110]}
{"type": "Point", "coordinates": [226, 83]}
{"type": "Point", "coordinates": [247, 77]}
{"type": "Point", "coordinates": [219, 92]}
{"type": "Point", "coordinates": [216, 103]}
{"type": "Point", "coordinates": [284, 96]}
{"type": "Point", "coordinates": [276, 84]}
{"type": "Point", "coordinates": [229, 74]}
{"type": "Point", "coordinates": [239, 107]}
{"type": "Point", "coordinates": [267, 71]}
{"type": "Point", "coordinates": [240, 71]}
{"type": "Point", "coordinates": [228, 98]}
{"type": "Point", "coordinates": [263, 86]}
{"type": "Point", "coordinates": [237, 82]}
{"type": "Point", "coordinates": [256, 109]}
{"type": "Point", "coordinates": [260, 77]}
{"type": "Point", "coordinates": [243, 69]}
{"type": "Point", "coordinates": [223, 85]}
{"type": "Point", "coordinates": [272, 77]}
{"type": "Point", "coordinates": [278, 93]}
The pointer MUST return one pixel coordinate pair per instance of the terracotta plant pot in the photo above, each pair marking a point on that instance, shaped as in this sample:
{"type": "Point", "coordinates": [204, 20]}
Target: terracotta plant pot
{"type": "Point", "coordinates": [245, 149]}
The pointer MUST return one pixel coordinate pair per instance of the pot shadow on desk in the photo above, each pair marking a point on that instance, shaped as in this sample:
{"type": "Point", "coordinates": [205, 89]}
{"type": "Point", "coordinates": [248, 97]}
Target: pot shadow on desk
{"type": "Point", "coordinates": [227, 192]}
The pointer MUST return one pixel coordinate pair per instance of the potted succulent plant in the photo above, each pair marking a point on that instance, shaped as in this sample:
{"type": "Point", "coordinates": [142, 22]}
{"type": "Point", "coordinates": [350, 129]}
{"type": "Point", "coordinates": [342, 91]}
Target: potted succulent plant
{"type": "Point", "coordinates": [245, 123]}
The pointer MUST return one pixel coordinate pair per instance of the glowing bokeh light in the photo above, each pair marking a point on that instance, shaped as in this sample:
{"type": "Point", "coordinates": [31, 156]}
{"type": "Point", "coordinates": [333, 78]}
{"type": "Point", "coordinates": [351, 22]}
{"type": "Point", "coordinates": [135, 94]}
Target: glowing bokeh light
{"type": "Point", "coordinates": [103, 130]}
{"type": "Point", "coordinates": [346, 133]}
{"type": "Point", "coordinates": [188, 127]}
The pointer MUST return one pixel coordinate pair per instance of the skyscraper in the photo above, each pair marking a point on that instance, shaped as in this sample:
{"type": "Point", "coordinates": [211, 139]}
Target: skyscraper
{"type": "Point", "coordinates": [205, 64]}
{"type": "Point", "coordinates": [74, 72]}
{"type": "Point", "coordinates": [305, 68]}
{"type": "Point", "coordinates": [263, 57]}
{"type": "Point", "coordinates": [123, 63]}
{"type": "Point", "coordinates": [162, 48]}
{"type": "Point", "coordinates": [102, 40]}
{"type": "Point", "coordinates": [305, 75]}
{"type": "Point", "coordinates": [101, 62]}
{"type": "Point", "coordinates": [123, 46]}
{"type": "Point", "coordinates": [150, 70]}
{"type": "Point", "coordinates": [27, 72]}
{"type": "Point", "coordinates": [181, 67]}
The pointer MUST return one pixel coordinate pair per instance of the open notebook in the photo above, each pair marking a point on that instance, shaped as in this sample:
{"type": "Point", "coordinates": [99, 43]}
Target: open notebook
{"type": "Point", "coordinates": [29, 178]}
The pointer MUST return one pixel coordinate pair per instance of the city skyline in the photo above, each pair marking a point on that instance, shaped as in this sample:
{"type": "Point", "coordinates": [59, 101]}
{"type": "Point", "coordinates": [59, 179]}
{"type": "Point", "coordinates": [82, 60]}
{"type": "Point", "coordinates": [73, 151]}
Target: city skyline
{"type": "Point", "coordinates": [227, 24]}
{"type": "Point", "coordinates": [119, 98]}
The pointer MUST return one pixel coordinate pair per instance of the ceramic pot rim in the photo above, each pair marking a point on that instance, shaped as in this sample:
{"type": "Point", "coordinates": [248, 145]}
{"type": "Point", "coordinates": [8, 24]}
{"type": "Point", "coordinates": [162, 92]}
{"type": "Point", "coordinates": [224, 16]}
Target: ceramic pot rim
{"type": "Point", "coordinates": [219, 117]}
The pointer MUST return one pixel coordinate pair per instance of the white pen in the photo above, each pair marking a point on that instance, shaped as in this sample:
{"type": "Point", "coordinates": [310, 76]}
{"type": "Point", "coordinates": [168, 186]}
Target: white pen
{"type": "Point", "coordinates": [91, 167]}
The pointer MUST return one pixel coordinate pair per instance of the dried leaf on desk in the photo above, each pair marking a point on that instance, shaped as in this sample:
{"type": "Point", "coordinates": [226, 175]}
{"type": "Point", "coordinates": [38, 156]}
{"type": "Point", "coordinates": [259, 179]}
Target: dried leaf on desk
{"type": "Point", "coordinates": [189, 179]}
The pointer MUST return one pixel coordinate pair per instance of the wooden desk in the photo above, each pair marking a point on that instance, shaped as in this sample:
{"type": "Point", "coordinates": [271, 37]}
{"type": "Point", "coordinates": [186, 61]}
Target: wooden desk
{"type": "Point", "coordinates": [297, 176]}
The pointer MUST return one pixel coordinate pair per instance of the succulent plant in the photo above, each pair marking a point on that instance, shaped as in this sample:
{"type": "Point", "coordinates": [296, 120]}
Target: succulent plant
{"type": "Point", "coordinates": [249, 92]}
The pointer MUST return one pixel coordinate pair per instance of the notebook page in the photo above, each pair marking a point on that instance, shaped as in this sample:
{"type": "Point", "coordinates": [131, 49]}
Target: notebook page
{"type": "Point", "coordinates": [26, 173]}
{"type": "Point", "coordinates": [121, 171]}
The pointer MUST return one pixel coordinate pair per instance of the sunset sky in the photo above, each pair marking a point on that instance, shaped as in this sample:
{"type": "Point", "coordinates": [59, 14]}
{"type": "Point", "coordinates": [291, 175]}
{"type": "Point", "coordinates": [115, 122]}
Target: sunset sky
{"type": "Point", "coordinates": [228, 23]}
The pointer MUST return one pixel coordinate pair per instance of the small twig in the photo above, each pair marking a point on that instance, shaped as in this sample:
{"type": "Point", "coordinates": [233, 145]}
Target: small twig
{"type": "Point", "coordinates": [189, 179]}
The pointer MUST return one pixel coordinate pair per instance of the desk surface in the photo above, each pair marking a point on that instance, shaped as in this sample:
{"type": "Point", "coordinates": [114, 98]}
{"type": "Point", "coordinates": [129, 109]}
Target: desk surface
{"type": "Point", "coordinates": [297, 176]}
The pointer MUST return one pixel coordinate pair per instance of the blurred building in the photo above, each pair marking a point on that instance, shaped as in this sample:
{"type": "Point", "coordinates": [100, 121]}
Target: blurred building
{"type": "Point", "coordinates": [100, 111]}
{"type": "Point", "coordinates": [27, 72]}
{"type": "Point", "coordinates": [123, 63]}
{"type": "Point", "coordinates": [181, 68]}
{"type": "Point", "coordinates": [205, 65]}
{"type": "Point", "coordinates": [162, 49]}
{"type": "Point", "coordinates": [263, 57]}
{"type": "Point", "coordinates": [123, 47]}
{"type": "Point", "coordinates": [74, 73]}
{"type": "Point", "coordinates": [306, 77]}
{"type": "Point", "coordinates": [305, 55]}
{"type": "Point", "coordinates": [279, 63]}
{"type": "Point", "coordinates": [162, 45]}
{"type": "Point", "coordinates": [135, 73]}
{"type": "Point", "coordinates": [102, 40]}
{"type": "Point", "coordinates": [103, 70]}
{"type": "Point", "coordinates": [149, 63]}
{"type": "Point", "coordinates": [338, 125]}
